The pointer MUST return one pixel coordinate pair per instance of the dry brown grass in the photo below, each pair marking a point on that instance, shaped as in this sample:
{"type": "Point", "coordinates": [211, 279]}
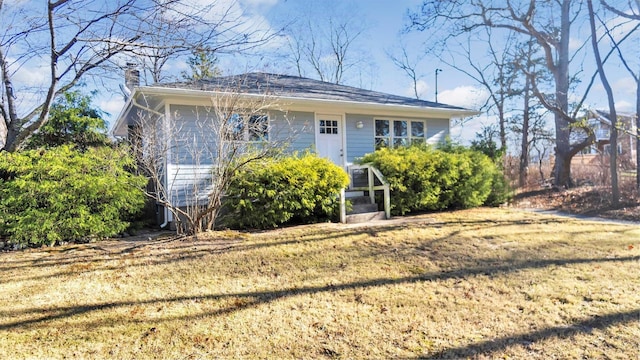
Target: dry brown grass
{"type": "Point", "coordinates": [484, 283]}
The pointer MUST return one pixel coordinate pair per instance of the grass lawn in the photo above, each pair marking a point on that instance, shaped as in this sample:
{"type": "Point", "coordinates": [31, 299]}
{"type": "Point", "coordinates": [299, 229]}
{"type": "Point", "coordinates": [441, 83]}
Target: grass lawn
{"type": "Point", "coordinates": [483, 283]}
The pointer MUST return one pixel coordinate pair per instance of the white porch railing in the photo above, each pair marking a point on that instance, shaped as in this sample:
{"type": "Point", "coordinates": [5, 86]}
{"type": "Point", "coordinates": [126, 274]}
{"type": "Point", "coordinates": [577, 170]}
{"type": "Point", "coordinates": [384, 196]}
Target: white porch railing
{"type": "Point", "coordinates": [373, 180]}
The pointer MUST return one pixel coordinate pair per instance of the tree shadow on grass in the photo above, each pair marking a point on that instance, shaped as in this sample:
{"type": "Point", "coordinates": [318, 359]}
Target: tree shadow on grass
{"type": "Point", "coordinates": [491, 346]}
{"type": "Point", "coordinates": [179, 250]}
{"type": "Point", "coordinates": [41, 315]}
{"type": "Point", "coordinates": [131, 247]}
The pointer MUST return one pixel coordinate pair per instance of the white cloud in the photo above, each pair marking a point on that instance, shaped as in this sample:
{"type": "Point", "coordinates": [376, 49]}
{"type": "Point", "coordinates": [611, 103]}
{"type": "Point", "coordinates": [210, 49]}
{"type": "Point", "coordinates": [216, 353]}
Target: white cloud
{"type": "Point", "coordinates": [112, 105]}
{"type": "Point", "coordinates": [261, 4]}
{"type": "Point", "coordinates": [626, 85]}
{"type": "Point", "coordinates": [466, 96]}
{"type": "Point", "coordinates": [575, 43]}
{"type": "Point", "coordinates": [624, 106]}
{"type": "Point", "coordinates": [624, 94]}
{"type": "Point", "coordinates": [34, 73]}
{"type": "Point", "coordinates": [422, 87]}
{"type": "Point", "coordinates": [29, 83]}
{"type": "Point", "coordinates": [465, 132]}
{"type": "Point", "coordinates": [234, 18]}
{"type": "Point", "coordinates": [620, 26]}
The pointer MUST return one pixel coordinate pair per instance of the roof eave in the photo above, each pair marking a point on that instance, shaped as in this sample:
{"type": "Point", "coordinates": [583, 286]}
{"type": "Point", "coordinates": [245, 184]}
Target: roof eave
{"type": "Point", "coordinates": [119, 128]}
{"type": "Point", "coordinates": [291, 101]}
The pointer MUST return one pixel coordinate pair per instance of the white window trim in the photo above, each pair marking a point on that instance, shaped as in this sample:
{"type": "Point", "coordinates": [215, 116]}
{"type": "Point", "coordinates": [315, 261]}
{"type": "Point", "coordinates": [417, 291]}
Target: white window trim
{"type": "Point", "coordinates": [391, 133]}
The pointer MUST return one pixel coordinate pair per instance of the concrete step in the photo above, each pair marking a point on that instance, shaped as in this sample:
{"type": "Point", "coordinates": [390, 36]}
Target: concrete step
{"type": "Point", "coordinates": [356, 200]}
{"type": "Point", "coordinates": [362, 208]}
{"type": "Point", "coordinates": [365, 217]}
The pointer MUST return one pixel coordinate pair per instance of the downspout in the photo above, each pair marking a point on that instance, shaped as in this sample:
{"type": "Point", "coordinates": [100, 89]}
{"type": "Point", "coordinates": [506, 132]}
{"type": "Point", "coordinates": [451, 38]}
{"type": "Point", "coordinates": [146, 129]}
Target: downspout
{"type": "Point", "coordinates": [166, 163]}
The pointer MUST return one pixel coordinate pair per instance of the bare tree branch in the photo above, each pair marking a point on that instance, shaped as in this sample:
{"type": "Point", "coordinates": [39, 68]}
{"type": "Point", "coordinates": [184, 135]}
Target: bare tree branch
{"type": "Point", "coordinates": [326, 46]}
{"type": "Point", "coordinates": [409, 66]}
{"type": "Point", "coordinates": [80, 38]}
{"type": "Point", "coordinates": [239, 131]}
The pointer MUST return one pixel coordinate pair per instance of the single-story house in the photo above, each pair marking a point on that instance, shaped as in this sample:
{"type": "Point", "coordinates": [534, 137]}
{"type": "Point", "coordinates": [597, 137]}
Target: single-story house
{"type": "Point", "coordinates": [341, 123]}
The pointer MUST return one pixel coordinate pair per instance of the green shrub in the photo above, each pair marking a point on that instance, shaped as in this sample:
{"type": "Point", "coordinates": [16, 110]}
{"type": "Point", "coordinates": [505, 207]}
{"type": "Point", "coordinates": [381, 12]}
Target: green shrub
{"type": "Point", "coordinates": [269, 193]}
{"type": "Point", "coordinates": [501, 192]}
{"type": "Point", "coordinates": [500, 189]}
{"type": "Point", "coordinates": [477, 173]}
{"type": "Point", "coordinates": [72, 120]}
{"type": "Point", "coordinates": [422, 178]}
{"type": "Point", "coordinates": [412, 173]}
{"type": "Point", "coordinates": [61, 194]}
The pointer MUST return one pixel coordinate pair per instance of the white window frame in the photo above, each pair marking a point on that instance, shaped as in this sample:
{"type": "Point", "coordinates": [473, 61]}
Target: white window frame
{"type": "Point", "coordinates": [390, 139]}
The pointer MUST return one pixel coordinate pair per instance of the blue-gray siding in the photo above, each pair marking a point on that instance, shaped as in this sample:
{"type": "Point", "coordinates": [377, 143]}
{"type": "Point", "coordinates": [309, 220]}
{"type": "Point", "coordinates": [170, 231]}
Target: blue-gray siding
{"type": "Point", "coordinates": [359, 141]}
{"type": "Point", "coordinates": [192, 150]}
{"type": "Point", "coordinates": [294, 127]}
{"type": "Point", "coordinates": [437, 130]}
{"type": "Point", "coordinates": [193, 147]}
{"type": "Point", "coordinates": [192, 140]}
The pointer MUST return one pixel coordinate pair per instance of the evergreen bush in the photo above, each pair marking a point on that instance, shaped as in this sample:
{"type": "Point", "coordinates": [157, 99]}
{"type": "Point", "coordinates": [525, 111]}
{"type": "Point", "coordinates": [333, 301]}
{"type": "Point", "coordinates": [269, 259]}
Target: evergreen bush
{"type": "Point", "coordinates": [299, 188]}
{"type": "Point", "coordinates": [62, 194]}
{"type": "Point", "coordinates": [412, 173]}
{"type": "Point", "coordinates": [422, 178]}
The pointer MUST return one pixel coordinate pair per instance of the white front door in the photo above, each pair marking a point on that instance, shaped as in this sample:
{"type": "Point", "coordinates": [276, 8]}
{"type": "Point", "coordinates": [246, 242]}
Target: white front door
{"type": "Point", "coordinates": [329, 138]}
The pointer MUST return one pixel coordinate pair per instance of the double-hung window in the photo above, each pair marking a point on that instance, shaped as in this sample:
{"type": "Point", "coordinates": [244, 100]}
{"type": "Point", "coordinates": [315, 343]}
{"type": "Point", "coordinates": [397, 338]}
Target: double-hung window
{"type": "Point", "coordinates": [394, 133]}
{"type": "Point", "coordinates": [248, 127]}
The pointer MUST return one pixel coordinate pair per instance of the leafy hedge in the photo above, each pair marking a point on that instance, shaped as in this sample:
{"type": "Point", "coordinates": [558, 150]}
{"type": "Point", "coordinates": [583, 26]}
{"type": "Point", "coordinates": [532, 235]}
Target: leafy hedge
{"type": "Point", "coordinates": [423, 178]}
{"type": "Point", "coordinates": [62, 194]}
{"type": "Point", "coordinates": [300, 188]}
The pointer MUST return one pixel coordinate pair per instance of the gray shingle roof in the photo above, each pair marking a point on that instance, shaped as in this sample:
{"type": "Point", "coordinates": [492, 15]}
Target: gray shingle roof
{"type": "Point", "coordinates": [299, 87]}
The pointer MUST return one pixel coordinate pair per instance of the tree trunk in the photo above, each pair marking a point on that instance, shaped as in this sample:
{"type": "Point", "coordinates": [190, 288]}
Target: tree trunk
{"type": "Point", "coordinates": [637, 138]}
{"type": "Point", "coordinates": [503, 132]}
{"type": "Point", "coordinates": [562, 170]}
{"type": "Point", "coordinates": [613, 117]}
{"type": "Point", "coordinates": [524, 147]}
{"type": "Point", "coordinates": [12, 134]}
{"type": "Point", "coordinates": [562, 166]}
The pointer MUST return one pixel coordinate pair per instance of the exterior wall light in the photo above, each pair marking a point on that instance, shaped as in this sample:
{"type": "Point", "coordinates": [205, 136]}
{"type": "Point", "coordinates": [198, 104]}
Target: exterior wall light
{"type": "Point", "coordinates": [359, 125]}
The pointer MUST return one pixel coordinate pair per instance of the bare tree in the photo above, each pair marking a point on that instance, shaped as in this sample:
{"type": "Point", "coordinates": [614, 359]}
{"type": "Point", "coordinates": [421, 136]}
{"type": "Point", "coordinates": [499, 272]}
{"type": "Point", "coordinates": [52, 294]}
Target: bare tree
{"type": "Point", "coordinates": [182, 28]}
{"type": "Point", "coordinates": [74, 40]}
{"type": "Point", "coordinates": [498, 75]}
{"type": "Point", "coordinates": [549, 23]}
{"type": "Point", "coordinates": [540, 144]}
{"type": "Point", "coordinates": [409, 65]}
{"type": "Point", "coordinates": [207, 145]}
{"type": "Point", "coordinates": [613, 116]}
{"type": "Point", "coordinates": [632, 13]}
{"type": "Point", "coordinates": [531, 125]}
{"type": "Point", "coordinates": [326, 47]}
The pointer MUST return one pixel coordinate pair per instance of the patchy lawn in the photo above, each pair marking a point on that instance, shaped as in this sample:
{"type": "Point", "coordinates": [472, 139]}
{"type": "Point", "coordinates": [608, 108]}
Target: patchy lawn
{"type": "Point", "coordinates": [484, 283]}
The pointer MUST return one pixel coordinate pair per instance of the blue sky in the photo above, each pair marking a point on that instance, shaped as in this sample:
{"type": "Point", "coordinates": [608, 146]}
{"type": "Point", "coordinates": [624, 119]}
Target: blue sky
{"type": "Point", "coordinates": [383, 21]}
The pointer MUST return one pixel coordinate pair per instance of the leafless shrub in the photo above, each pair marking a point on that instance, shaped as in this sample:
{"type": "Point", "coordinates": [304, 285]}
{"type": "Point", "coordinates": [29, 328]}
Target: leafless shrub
{"type": "Point", "coordinates": [192, 154]}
